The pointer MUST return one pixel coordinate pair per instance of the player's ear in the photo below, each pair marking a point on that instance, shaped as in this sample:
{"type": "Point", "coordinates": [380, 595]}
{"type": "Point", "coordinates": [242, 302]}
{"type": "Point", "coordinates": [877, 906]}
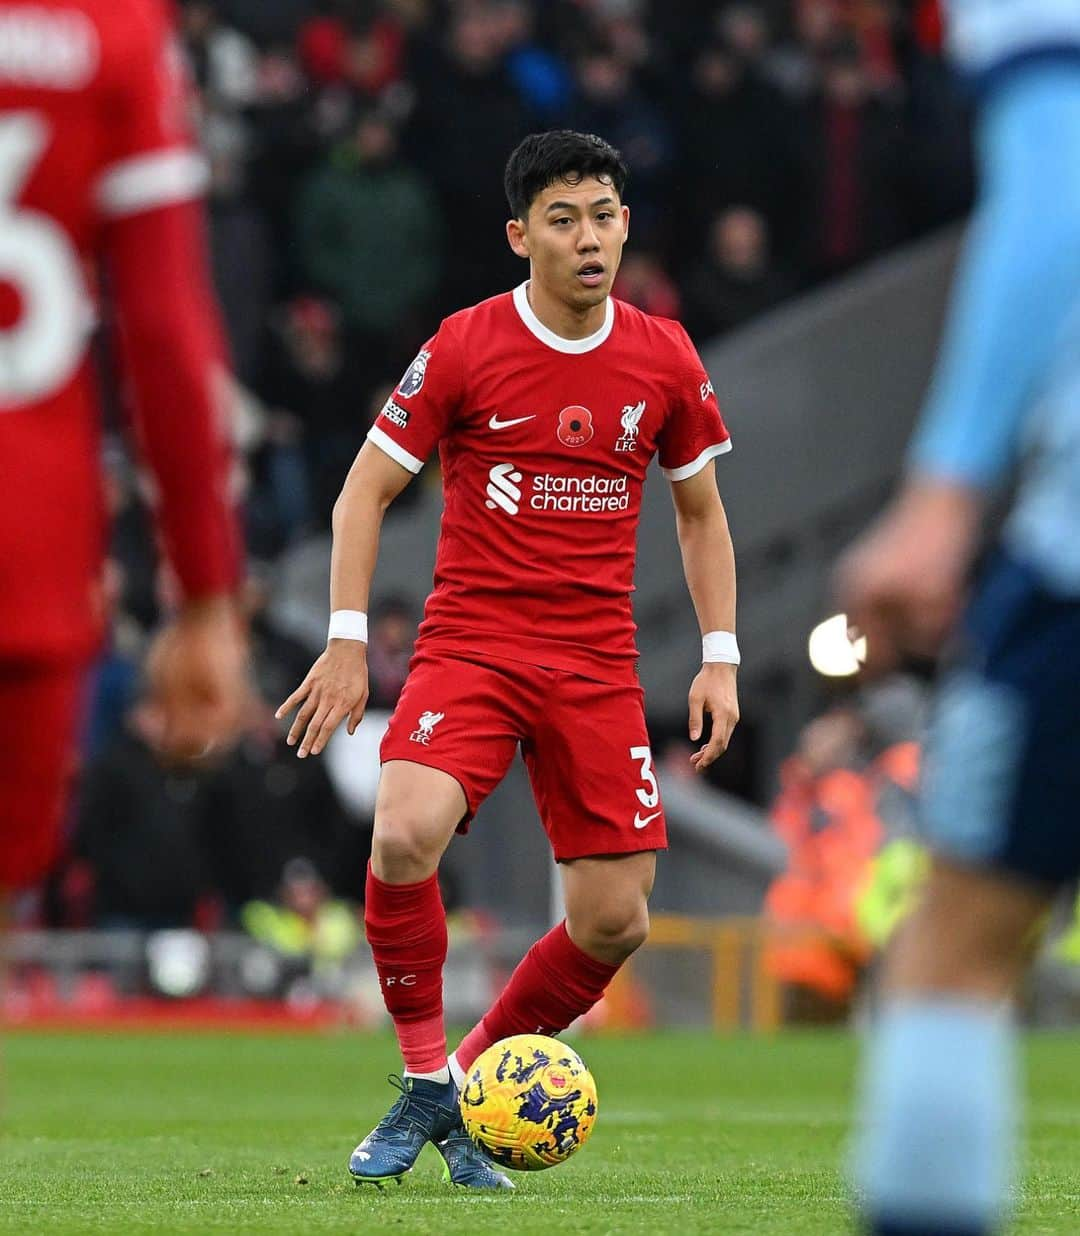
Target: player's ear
{"type": "Point", "coordinates": [518, 237]}
{"type": "Point", "coordinates": [625, 210]}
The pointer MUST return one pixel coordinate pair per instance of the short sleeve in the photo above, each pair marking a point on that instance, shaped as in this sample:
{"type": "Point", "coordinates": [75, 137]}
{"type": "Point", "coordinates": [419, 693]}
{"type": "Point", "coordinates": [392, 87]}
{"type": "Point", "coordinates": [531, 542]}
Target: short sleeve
{"type": "Point", "coordinates": [694, 431]}
{"type": "Point", "coordinates": [423, 404]}
{"type": "Point", "coordinates": [150, 160]}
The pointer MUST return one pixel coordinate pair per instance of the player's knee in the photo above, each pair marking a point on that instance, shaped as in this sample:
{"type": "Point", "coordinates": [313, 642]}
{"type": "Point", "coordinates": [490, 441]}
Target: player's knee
{"type": "Point", "coordinates": [403, 848]}
{"type": "Point", "coordinates": [612, 933]}
{"type": "Point", "coordinates": [972, 934]}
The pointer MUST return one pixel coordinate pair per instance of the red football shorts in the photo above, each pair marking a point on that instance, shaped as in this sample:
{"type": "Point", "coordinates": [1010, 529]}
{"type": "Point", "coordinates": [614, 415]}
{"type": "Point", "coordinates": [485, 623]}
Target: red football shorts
{"type": "Point", "coordinates": [585, 745]}
{"type": "Point", "coordinates": [40, 712]}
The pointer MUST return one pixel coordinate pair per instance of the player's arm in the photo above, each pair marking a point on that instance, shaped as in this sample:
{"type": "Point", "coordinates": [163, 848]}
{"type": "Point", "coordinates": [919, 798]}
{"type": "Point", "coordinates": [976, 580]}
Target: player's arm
{"type": "Point", "coordinates": [903, 581]}
{"type": "Point", "coordinates": [171, 355]}
{"type": "Point", "coordinates": [709, 565]}
{"type": "Point", "coordinates": [336, 686]}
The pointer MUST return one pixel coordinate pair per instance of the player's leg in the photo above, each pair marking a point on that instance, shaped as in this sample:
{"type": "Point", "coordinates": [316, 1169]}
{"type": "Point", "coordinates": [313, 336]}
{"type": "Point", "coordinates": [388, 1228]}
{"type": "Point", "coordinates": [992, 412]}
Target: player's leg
{"type": "Point", "coordinates": [416, 812]}
{"type": "Point", "coordinates": [601, 808]}
{"type": "Point", "coordinates": [607, 903]}
{"type": "Point", "coordinates": [40, 712]}
{"type": "Point", "coordinates": [939, 1094]}
{"type": "Point", "coordinates": [567, 971]}
{"type": "Point", "coordinates": [448, 744]}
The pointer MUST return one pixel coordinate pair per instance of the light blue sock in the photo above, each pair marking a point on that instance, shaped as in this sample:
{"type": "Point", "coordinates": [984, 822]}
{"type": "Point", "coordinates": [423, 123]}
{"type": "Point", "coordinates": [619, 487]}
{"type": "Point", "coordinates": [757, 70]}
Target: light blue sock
{"type": "Point", "coordinates": [938, 1109]}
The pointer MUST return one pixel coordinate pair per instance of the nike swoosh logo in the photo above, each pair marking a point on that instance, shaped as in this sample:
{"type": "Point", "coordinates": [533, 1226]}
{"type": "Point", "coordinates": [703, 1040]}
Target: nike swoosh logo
{"type": "Point", "coordinates": [640, 823]}
{"type": "Point", "coordinates": [495, 423]}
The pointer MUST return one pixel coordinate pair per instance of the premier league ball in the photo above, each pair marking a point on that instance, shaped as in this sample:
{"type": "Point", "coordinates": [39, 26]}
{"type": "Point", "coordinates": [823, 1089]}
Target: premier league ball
{"type": "Point", "coordinates": [529, 1102]}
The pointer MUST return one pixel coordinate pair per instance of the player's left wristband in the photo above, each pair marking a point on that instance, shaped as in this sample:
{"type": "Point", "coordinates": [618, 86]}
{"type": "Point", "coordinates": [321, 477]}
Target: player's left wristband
{"type": "Point", "coordinates": [348, 624]}
{"type": "Point", "coordinates": [720, 646]}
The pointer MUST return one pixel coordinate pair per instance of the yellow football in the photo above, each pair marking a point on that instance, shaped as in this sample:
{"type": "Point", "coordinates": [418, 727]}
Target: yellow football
{"type": "Point", "coordinates": [529, 1102]}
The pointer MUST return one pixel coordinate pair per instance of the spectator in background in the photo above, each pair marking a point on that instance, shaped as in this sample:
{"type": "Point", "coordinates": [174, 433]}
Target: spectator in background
{"type": "Point", "coordinates": [541, 78]}
{"type": "Point", "coordinates": [140, 827]}
{"type": "Point", "coordinates": [223, 61]}
{"type": "Point", "coordinates": [390, 647]}
{"type": "Point", "coordinates": [795, 64]}
{"type": "Point", "coordinates": [352, 760]}
{"type": "Point", "coordinates": [313, 392]}
{"type": "Point", "coordinates": [370, 237]}
{"type": "Point", "coordinates": [239, 243]}
{"type": "Point", "coordinates": [643, 283]}
{"type": "Point", "coordinates": [362, 49]}
{"type": "Point", "coordinates": [736, 280]}
{"type": "Point", "coordinates": [852, 167]}
{"type": "Point", "coordinates": [414, 15]}
{"type": "Point", "coordinates": [225, 67]}
{"type": "Point", "coordinates": [284, 147]}
{"type": "Point", "coordinates": [469, 114]}
{"type": "Point", "coordinates": [260, 808]}
{"type": "Point", "coordinates": [937, 131]}
{"type": "Point", "coordinates": [611, 104]}
{"type": "Point", "coordinates": [737, 133]}
{"type": "Point", "coordinates": [305, 925]}
{"type": "Point", "coordinates": [269, 21]}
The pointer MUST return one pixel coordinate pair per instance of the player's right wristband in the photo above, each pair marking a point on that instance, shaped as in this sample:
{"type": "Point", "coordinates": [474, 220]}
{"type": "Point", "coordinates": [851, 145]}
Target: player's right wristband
{"type": "Point", "coordinates": [348, 624]}
{"type": "Point", "coordinates": [720, 646]}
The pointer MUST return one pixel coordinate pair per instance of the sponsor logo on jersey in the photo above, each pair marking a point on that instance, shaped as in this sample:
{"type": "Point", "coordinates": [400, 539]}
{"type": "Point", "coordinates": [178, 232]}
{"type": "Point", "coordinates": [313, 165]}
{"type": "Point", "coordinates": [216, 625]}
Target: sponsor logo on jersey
{"type": "Point", "coordinates": [426, 723]}
{"type": "Point", "coordinates": [575, 426]}
{"type": "Point", "coordinates": [631, 422]}
{"type": "Point", "coordinates": [413, 380]}
{"type": "Point", "coordinates": [706, 389]}
{"type": "Point", "coordinates": [396, 413]}
{"type": "Point", "coordinates": [502, 488]}
{"type": "Point", "coordinates": [549, 492]}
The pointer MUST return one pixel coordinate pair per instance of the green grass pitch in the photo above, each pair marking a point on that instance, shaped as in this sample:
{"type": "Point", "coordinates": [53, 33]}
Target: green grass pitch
{"type": "Point", "coordinates": [696, 1134]}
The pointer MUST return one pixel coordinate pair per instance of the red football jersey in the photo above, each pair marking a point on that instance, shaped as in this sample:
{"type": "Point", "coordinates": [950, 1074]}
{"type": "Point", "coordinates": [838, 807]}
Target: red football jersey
{"type": "Point", "coordinates": [544, 444]}
{"type": "Point", "coordinates": [93, 144]}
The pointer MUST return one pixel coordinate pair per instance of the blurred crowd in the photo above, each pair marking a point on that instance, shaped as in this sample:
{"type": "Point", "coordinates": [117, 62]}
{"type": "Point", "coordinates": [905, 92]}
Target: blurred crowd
{"type": "Point", "coordinates": [356, 150]}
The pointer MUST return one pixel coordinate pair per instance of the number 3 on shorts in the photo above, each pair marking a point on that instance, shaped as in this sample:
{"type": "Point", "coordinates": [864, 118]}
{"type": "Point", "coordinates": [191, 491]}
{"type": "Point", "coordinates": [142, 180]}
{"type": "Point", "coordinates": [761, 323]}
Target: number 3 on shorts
{"type": "Point", "coordinates": [651, 796]}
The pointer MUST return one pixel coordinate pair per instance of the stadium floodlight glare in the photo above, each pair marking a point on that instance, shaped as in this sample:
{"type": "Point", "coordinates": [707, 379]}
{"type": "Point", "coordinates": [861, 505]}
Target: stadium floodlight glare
{"type": "Point", "coordinates": [833, 651]}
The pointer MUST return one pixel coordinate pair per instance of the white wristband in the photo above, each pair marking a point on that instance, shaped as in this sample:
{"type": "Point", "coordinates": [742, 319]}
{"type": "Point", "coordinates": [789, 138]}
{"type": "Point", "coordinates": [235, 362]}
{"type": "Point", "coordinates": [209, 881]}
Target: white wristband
{"type": "Point", "coordinates": [348, 624]}
{"type": "Point", "coordinates": [720, 646]}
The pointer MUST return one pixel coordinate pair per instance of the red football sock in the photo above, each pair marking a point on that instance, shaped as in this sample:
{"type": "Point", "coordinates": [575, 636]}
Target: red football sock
{"type": "Point", "coordinates": [406, 928]}
{"type": "Point", "coordinates": [554, 983]}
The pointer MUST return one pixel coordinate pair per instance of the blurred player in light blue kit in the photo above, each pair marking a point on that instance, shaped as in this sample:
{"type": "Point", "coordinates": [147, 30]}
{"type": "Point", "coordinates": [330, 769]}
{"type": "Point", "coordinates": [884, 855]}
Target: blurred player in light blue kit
{"type": "Point", "coordinates": [1001, 791]}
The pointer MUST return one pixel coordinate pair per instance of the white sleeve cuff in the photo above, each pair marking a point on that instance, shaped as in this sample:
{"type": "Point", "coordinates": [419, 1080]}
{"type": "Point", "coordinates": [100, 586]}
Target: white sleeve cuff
{"type": "Point", "coordinates": [692, 469]}
{"type": "Point", "coordinates": [398, 454]}
{"type": "Point", "coordinates": [147, 181]}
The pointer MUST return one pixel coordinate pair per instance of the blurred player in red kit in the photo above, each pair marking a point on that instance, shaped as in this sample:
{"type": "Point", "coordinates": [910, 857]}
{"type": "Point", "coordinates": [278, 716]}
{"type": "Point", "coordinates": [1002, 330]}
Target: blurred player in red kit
{"type": "Point", "coordinates": [547, 404]}
{"type": "Point", "coordinates": [97, 173]}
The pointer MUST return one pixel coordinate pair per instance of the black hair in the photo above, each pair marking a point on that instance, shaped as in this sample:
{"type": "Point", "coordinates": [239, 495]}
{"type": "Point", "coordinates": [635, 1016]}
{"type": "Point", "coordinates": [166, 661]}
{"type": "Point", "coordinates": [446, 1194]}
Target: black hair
{"type": "Point", "coordinates": [560, 154]}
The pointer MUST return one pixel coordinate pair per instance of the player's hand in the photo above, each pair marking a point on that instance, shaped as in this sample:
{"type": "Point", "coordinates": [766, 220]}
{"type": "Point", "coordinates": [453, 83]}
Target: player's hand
{"type": "Point", "coordinates": [714, 692]}
{"type": "Point", "coordinates": [902, 583]}
{"type": "Point", "coordinates": [199, 677]}
{"type": "Point", "coordinates": [336, 687]}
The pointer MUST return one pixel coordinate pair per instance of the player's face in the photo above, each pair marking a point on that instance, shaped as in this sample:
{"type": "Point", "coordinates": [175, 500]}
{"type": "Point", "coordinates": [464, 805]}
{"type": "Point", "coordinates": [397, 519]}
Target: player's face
{"type": "Point", "coordinates": [573, 238]}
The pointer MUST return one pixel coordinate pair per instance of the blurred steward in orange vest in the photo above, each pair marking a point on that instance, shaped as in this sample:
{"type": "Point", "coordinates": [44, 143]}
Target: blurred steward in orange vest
{"type": "Point", "coordinates": [846, 811]}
